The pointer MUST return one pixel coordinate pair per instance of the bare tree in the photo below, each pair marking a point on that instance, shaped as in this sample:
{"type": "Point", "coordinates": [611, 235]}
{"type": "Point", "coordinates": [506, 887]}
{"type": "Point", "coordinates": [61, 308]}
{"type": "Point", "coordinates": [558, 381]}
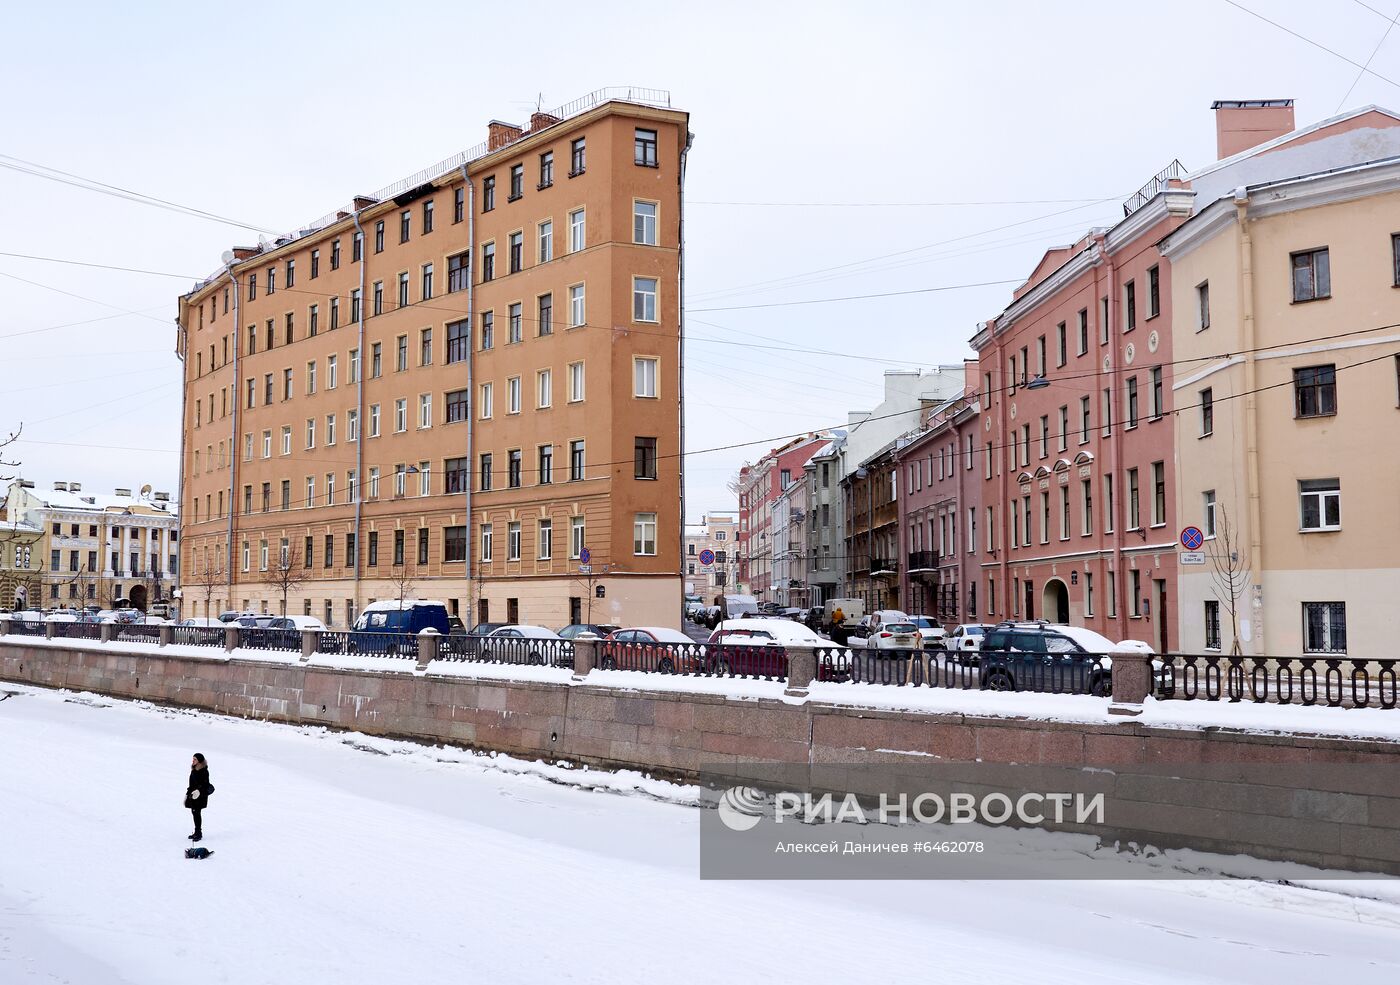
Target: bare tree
{"type": "Point", "coordinates": [1229, 572]}
{"type": "Point", "coordinates": [205, 578]}
{"type": "Point", "coordinates": [285, 573]}
{"type": "Point", "coordinates": [589, 579]}
{"type": "Point", "coordinates": [401, 578]}
{"type": "Point", "coordinates": [7, 463]}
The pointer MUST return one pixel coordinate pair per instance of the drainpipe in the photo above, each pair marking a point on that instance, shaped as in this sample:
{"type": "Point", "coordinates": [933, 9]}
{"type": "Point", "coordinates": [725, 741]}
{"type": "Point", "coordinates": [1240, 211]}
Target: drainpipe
{"type": "Point", "coordinates": [1251, 408]}
{"type": "Point", "coordinates": [359, 417]}
{"type": "Point", "coordinates": [233, 436]}
{"type": "Point", "coordinates": [471, 389]}
{"type": "Point", "coordinates": [680, 353]}
{"type": "Point", "coordinates": [1003, 553]}
{"type": "Point", "coordinates": [183, 353]}
{"type": "Point", "coordinates": [1120, 579]}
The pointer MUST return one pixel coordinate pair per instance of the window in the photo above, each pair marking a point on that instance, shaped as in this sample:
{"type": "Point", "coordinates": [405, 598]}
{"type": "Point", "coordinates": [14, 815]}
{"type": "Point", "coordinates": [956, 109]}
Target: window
{"type": "Point", "coordinates": [311, 432]}
{"type": "Point", "coordinates": [1212, 621]}
{"type": "Point", "coordinates": [644, 147]}
{"type": "Point", "coordinates": [378, 296]}
{"type": "Point", "coordinates": [546, 169]}
{"type": "Point", "coordinates": [357, 247]}
{"type": "Point", "coordinates": [1154, 292]}
{"type": "Point", "coordinates": [577, 536]}
{"type": "Point", "coordinates": [1134, 514]}
{"type": "Point", "coordinates": [486, 542]}
{"type": "Point", "coordinates": [1159, 494]}
{"type": "Point", "coordinates": [457, 406]}
{"type": "Point", "coordinates": [313, 321]}
{"type": "Point", "coordinates": [315, 265]}
{"type": "Point", "coordinates": [644, 458]}
{"type": "Point", "coordinates": [354, 366]}
{"type": "Point", "coordinates": [286, 389]}
{"type": "Point", "coordinates": [398, 546]}
{"type": "Point", "coordinates": [335, 313]}
{"type": "Point", "coordinates": [286, 491]}
{"type": "Point", "coordinates": [1394, 258]}
{"type": "Point", "coordinates": [1103, 321]}
{"type": "Point", "coordinates": [458, 272]}
{"type": "Point", "coordinates": [545, 235]}
{"type": "Point", "coordinates": [516, 252]}
{"type": "Point", "coordinates": [425, 347]}
{"type": "Point", "coordinates": [576, 382]}
{"type": "Point", "coordinates": [1202, 306]}
{"type": "Point", "coordinates": [1324, 627]}
{"type": "Point", "coordinates": [427, 217]}
{"type": "Point", "coordinates": [1320, 504]}
{"type": "Point", "coordinates": [544, 540]}
{"type": "Point", "coordinates": [425, 479]}
{"type": "Point", "coordinates": [488, 330]}
{"type": "Point", "coordinates": [454, 543]}
{"type": "Point", "coordinates": [401, 354]}
{"type": "Point", "coordinates": [1129, 306]}
{"type": "Point", "coordinates": [1064, 427]}
{"type": "Point", "coordinates": [488, 262]}
{"type": "Point", "coordinates": [335, 255]}
{"type": "Point", "coordinates": [376, 360]}
{"type": "Point", "coordinates": [271, 280]}
{"type": "Point", "coordinates": [576, 230]}
{"type": "Point", "coordinates": [644, 534]}
{"type": "Point", "coordinates": [644, 299]}
{"type": "Point", "coordinates": [456, 474]}
{"type": "Point", "coordinates": [644, 376]}
{"type": "Point", "coordinates": [1207, 412]}
{"type": "Point", "coordinates": [330, 430]}
{"type": "Point", "coordinates": [252, 287]}
{"type": "Point", "coordinates": [488, 193]}
{"type": "Point", "coordinates": [486, 404]}
{"type": "Point", "coordinates": [1132, 402]}
{"type": "Point", "coordinates": [1107, 423]}
{"type": "Point", "coordinates": [1086, 495]}
{"type": "Point", "coordinates": [513, 395]}
{"type": "Point", "coordinates": [267, 444]}
{"type": "Point", "coordinates": [578, 161]}
{"type": "Point", "coordinates": [1040, 356]}
{"type": "Point", "coordinates": [514, 324]}
{"type": "Point", "coordinates": [427, 285]}
{"type": "Point", "coordinates": [1208, 513]}
{"type": "Point", "coordinates": [1315, 391]}
{"type": "Point", "coordinates": [400, 415]}
{"type": "Point", "coordinates": [352, 425]}
{"type": "Point", "coordinates": [1135, 602]}
{"type": "Point", "coordinates": [517, 182]}
{"type": "Point", "coordinates": [513, 540]}
{"type": "Point", "coordinates": [379, 236]}
{"type": "Point", "coordinates": [1084, 421]}
{"type": "Point", "coordinates": [422, 545]}
{"type": "Point", "coordinates": [1312, 275]}
{"type": "Point", "coordinates": [459, 340]}
{"type": "Point", "coordinates": [291, 273]}
{"type": "Point", "coordinates": [577, 315]}
{"type": "Point", "coordinates": [514, 468]}
{"type": "Point", "coordinates": [286, 440]}
{"type": "Point", "coordinates": [405, 225]}
{"type": "Point", "coordinates": [1156, 392]}
{"type": "Point", "coordinates": [644, 223]}
{"type": "Point", "coordinates": [544, 389]}
{"type": "Point", "coordinates": [425, 410]}
{"type": "Point", "coordinates": [546, 464]}
{"type": "Point", "coordinates": [544, 324]}
{"type": "Point", "coordinates": [1083, 330]}
{"type": "Point", "coordinates": [1061, 345]}
{"type": "Point", "coordinates": [576, 465]}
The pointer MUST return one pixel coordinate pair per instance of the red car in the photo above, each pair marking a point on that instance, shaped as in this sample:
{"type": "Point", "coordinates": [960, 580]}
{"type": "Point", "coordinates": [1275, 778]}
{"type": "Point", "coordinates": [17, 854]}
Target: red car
{"type": "Point", "coordinates": [654, 649]}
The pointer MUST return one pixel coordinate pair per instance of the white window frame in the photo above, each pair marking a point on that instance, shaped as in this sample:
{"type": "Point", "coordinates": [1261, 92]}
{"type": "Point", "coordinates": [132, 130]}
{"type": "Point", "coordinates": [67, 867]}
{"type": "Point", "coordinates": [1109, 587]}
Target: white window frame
{"type": "Point", "coordinates": [645, 373]}
{"type": "Point", "coordinates": [578, 306]}
{"type": "Point", "coordinates": [644, 227]}
{"type": "Point", "coordinates": [578, 230]}
{"type": "Point", "coordinates": [1322, 495]}
{"type": "Point", "coordinates": [577, 382]}
{"type": "Point", "coordinates": [646, 304]}
{"type": "Point", "coordinates": [642, 524]}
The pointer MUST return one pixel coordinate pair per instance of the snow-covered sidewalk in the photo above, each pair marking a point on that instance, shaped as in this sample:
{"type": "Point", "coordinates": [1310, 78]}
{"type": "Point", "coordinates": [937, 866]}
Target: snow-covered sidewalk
{"type": "Point", "coordinates": [340, 858]}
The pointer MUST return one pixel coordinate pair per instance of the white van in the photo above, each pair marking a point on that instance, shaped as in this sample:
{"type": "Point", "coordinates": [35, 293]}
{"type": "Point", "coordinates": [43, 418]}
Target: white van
{"type": "Point", "coordinates": [852, 611]}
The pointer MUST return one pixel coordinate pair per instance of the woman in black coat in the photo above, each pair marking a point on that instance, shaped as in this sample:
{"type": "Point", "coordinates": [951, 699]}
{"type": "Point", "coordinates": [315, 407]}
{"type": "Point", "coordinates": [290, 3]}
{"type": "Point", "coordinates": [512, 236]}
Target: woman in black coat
{"type": "Point", "coordinates": [197, 793]}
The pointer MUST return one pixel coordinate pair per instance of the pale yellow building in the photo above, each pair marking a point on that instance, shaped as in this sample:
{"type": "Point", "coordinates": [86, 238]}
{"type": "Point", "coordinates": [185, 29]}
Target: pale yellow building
{"type": "Point", "coordinates": [1287, 337]}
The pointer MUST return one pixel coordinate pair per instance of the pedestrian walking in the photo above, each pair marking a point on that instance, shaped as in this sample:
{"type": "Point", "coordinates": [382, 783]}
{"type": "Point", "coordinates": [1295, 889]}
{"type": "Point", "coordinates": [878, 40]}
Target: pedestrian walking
{"type": "Point", "coordinates": [197, 793]}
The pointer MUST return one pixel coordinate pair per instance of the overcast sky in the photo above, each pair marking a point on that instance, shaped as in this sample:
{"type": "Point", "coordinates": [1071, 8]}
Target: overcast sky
{"type": "Point", "coordinates": [276, 113]}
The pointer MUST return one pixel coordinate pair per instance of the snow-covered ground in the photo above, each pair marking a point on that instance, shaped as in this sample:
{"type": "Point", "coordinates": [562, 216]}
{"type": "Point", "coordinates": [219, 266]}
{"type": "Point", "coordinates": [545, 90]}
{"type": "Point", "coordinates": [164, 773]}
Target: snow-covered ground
{"type": "Point", "coordinates": [340, 858]}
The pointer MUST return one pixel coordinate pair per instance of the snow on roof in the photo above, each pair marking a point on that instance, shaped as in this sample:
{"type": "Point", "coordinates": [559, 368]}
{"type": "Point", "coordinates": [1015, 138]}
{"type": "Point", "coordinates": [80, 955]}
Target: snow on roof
{"type": "Point", "coordinates": [59, 499]}
{"type": "Point", "coordinates": [393, 605]}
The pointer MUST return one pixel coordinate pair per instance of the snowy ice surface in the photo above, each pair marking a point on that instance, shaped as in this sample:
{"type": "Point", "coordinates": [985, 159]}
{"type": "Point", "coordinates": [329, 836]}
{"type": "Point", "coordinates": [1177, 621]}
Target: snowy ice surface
{"type": "Point", "coordinates": [341, 858]}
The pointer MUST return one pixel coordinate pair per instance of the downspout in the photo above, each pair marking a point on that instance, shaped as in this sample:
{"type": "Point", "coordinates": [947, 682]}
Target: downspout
{"type": "Point", "coordinates": [471, 388]}
{"type": "Point", "coordinates": [183, 353]}
{"type": "Point", "coordinates": [1251, 414]}
{"type": "Point", "coordinates": [1003, 553]}
{"type": "Point", "coordinates": [233, 436]}
{"type": "Point", "coordinates": [359, 418]}
{"type": "Point", "coordinates": [1120, 579]}
{"type": "Point", "coordinates": [680, 358]}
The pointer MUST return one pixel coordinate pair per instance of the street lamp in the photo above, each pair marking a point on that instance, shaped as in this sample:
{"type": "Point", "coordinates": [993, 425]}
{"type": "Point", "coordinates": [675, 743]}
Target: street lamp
{"type": "Point", "coordinates": [1039, 383]}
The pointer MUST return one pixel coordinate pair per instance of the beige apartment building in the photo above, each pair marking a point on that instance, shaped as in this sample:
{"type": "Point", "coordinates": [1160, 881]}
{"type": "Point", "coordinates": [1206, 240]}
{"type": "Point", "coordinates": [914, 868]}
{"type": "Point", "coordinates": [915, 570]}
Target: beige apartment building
{"type": "Point", "coordinates": [1287, 296]}
{"type": "Point", "coordinates": [718, 532]}
{"type": "Point", "coordinates": [469, 381]}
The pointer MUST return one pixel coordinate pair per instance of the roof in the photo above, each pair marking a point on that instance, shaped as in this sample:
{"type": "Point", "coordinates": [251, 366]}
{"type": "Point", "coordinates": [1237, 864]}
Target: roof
{"type": "Point", "coordinates": [393, 605]}
{"type": "Point", "coordinates": [58, 499]}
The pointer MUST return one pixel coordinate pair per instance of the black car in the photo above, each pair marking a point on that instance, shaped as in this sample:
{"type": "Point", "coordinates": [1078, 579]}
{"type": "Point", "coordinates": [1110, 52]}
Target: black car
{"type": "Point", "coordinates": [1040, 656]}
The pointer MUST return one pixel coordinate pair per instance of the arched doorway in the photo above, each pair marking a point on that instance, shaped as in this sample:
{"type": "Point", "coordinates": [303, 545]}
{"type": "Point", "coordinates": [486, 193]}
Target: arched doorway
{"type": "Point", "coordinates": [138, 597]}
{"type": "Point", "coordinates": [1054, 601]}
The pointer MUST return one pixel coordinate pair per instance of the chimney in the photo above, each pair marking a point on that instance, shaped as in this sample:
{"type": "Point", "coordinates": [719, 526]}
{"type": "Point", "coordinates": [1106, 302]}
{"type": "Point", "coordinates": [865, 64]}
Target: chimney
{"type": "Point", "coordinates": [499, 134]}
{"type": "Point", "coordinates": [162, 497]}
{"type": "Point", "coordinates": [363, 202]}
{"type": "Point", "coordinates": [244, 252]}
{"type": "Point", "coordinates": [60, 487]}
{"type": "Point", "coordinates": [538, 121]}
{"type": "Point", "coordinates": [75, 487]}
{"type": "Point", "coordinates": [1244, 123]}
{"type": "Point", "coordinates": [124, 493]}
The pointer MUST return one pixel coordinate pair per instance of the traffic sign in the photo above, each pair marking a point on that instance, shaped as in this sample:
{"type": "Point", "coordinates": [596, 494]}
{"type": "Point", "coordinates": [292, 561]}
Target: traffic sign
{"type": "Point", "coordinates": [1191, 557]}
{"type": "Point", "coordinates": [585, 555]}
{"type": "Point", "coordinates": [707, 557]}
{"type": "Point", "coordinates": [585, 569]}
{"type": "Point", "coordinates": [1192, 538]}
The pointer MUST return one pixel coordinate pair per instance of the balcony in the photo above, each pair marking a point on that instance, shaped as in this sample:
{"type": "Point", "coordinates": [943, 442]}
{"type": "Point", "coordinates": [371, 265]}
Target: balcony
{"type": "Point", "coordinates": [883, 567]}
{"type": "Point", "coordinates": [923, 561]}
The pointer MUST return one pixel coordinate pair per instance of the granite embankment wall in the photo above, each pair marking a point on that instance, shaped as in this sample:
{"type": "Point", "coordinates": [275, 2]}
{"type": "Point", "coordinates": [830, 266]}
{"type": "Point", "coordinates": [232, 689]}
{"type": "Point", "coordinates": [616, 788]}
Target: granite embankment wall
{"type": "Point", "coordinates": [1350, 820]}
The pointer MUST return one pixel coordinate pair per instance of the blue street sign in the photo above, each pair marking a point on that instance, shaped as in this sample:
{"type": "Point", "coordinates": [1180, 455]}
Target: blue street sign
{"type": "Point", "coordinates": [707, 557]}
{"type": "Point", "coordinates": [1192, 538]}
{"type": "Point", "coordinates": [585, 555]}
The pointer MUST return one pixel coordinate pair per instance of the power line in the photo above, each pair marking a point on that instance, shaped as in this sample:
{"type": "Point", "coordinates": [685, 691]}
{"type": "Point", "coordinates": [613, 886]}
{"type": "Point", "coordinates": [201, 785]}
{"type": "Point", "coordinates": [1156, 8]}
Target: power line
{"type": "Point", "coordinates": [71, 324]}
{"type": "Point", "coordinates": [80, 297]}
{"type": "Point", "coordinates": [1375, 51]}
{"type": "Point", "coordinates": [100, 266]}
{"type": "Point", "coordinates": [116, 191]}
{"type": "Point", "coordinates": [1315, 44]}
{"type": "Point", "coordinates": [864, 297]}
{"type": "Point", "coordinates": [891, 205]}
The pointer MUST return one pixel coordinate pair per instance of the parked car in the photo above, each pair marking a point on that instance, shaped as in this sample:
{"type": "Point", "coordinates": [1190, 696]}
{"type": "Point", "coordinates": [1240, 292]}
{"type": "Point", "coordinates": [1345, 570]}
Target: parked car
{"type": "Point", "coordinates": [931, 630]}
{"type": "Point", "coordinates": [965, 641]}
{"type": "Point", "coordinates": [761, 648]}
{"type": "Point", "coordinates": [651, 648]}
{"type": "Point", "coordinates": [393, 626]}
{"type": "Point", "coordinates": [734, 606]}
{"type": "Point", "coordinates": [895, 636]}
{"type": "Point", "coordinates": [599, 630]}
{"type": "Point", "coordinates": [523, 644]}
{"type": "Point", "coordinates": [1041, 656]}
{"type": "Point", "coordinates": [872, 623]}
{"type": "Point", "coordinates": [202, 622]}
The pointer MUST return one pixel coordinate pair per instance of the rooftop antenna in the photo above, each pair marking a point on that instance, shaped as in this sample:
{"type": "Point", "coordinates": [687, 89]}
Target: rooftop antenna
{"type": "Point", "coordinates": [146, 491]}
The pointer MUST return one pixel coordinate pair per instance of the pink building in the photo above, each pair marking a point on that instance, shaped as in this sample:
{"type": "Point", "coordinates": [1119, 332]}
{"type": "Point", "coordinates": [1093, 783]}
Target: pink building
{"type": "Point", "coordinates": [941, 491]}
{"type": "Point", "coordinates": [760, 485]}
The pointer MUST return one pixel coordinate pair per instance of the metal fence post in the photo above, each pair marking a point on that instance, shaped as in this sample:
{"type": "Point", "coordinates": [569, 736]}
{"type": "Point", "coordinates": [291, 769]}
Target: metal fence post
{"type": "Point", "coordinates": [585, 655]}
{"type": "Point", "coordinates": [1132, 679]}
{"type": "Point", "coordinates": [231, 637]}
{"type": "Point", "coordinates": [802, 670]}
{"type": "Point", "coordinates": [310, 643]}
{"type": "Point", "coordinates": [429, 640]}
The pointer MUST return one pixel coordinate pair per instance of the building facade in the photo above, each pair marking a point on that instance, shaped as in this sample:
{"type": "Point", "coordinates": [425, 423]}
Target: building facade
{"type": "Point", "coordinates": [466, 380]}
{"type": "Point", "coordinates": [759, 487]}
{"type": "Point", "coordinates": [21, 561]}
{"type": "Point", "coordinates": [94, 549]}
{"type": "Point", "coordinates": [718, 532]}
{"type": "Point", "coordinates": [826, 525]}
{"type": "Point", "coordinates": [791, 562]}
{"type": "Point", "coordinates": [1288, 460]}
{"type": "Point", "coordinates": [870, 494]}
